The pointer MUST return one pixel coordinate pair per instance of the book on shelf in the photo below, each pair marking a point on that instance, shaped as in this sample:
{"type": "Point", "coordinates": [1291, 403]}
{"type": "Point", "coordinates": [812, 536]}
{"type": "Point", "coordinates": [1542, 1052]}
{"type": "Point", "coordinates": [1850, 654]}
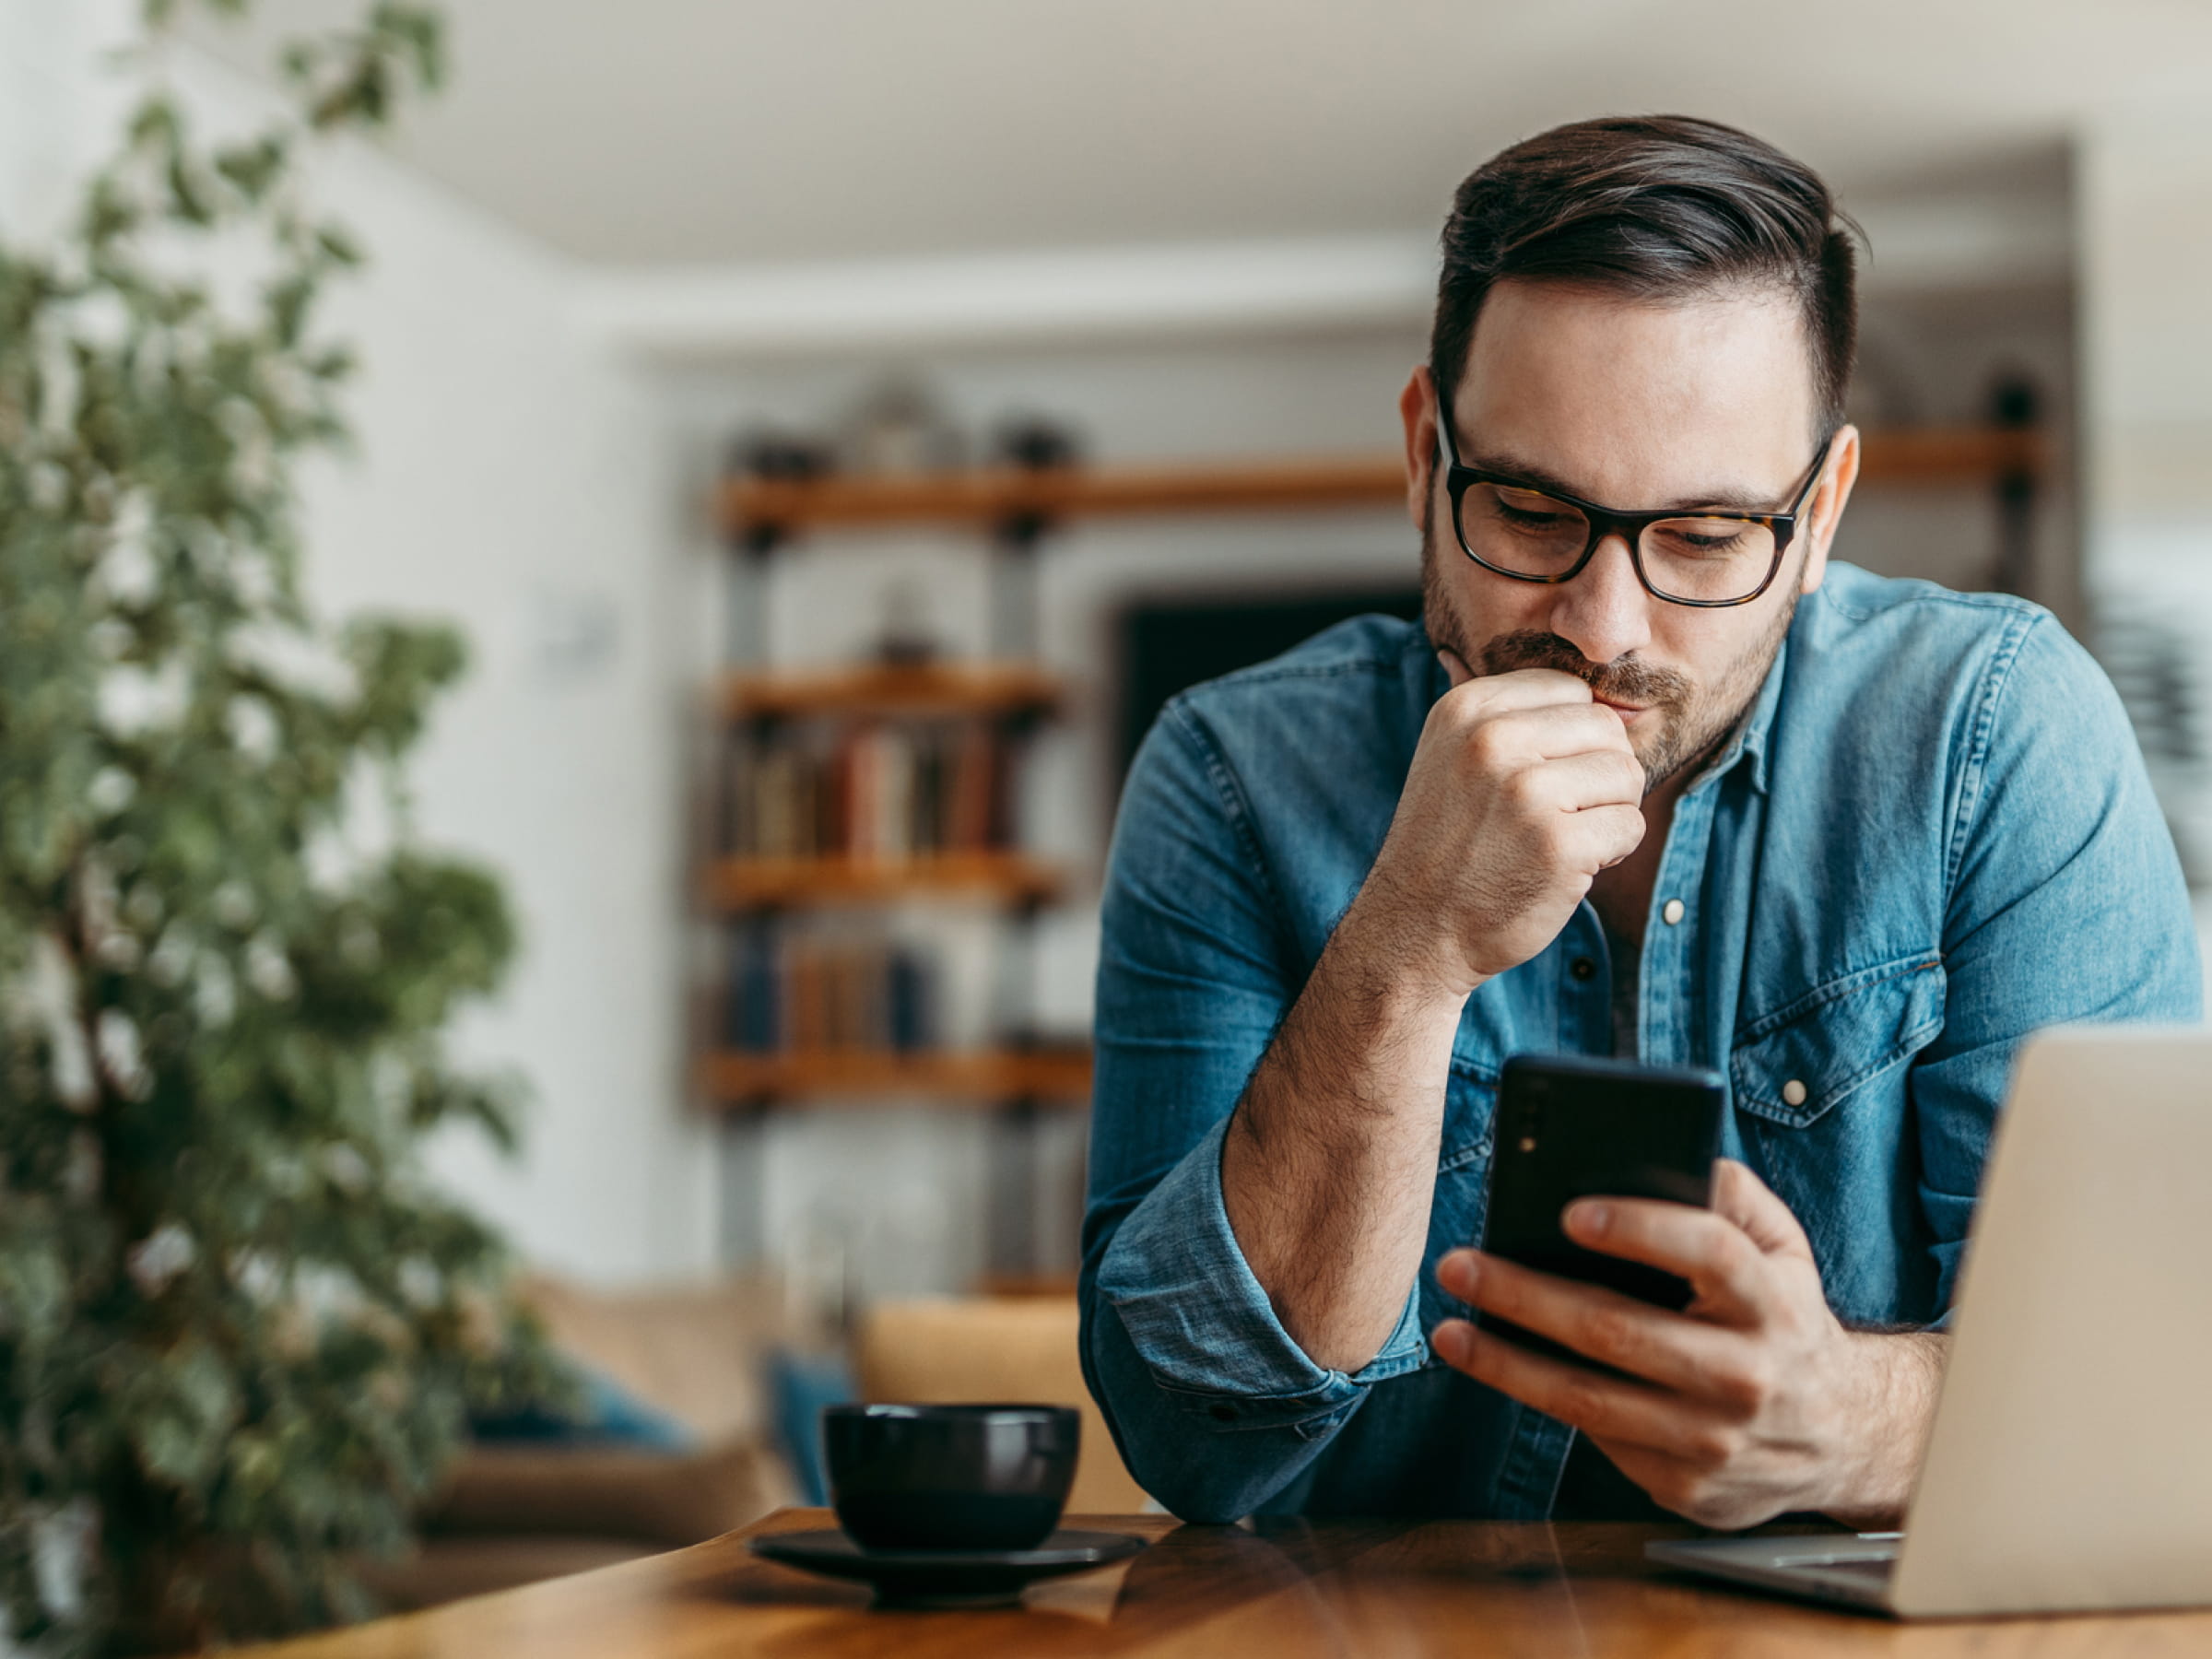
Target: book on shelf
{"type": "Point", "coordinates": [875, 792]}
{"type": "Point", "coordinates": [801, 994]}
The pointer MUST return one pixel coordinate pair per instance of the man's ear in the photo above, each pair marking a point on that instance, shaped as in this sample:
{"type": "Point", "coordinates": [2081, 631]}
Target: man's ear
{"type": "Point", "coordinates": [1416, 408]}
{"type": "Point", "coordinates": [1825, 510]}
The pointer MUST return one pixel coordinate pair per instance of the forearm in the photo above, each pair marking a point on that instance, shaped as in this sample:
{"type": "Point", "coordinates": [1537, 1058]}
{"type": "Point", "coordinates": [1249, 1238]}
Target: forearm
{"type": "Point", "coordinates": [1329, 1164]}
{"type": "Point", "coordinates": [1902, 1375]}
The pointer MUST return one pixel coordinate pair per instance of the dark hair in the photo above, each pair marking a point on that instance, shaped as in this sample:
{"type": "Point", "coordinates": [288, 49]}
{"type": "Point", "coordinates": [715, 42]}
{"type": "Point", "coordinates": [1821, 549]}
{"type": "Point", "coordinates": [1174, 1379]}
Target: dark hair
{"type": "Point", "coordinates": [1660, 208]}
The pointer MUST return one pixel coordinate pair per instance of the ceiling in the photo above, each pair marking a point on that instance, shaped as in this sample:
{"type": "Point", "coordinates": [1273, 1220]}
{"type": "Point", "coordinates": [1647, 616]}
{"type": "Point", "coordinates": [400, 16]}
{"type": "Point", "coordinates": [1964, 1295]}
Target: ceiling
{"type": "Point", "coordinates": [670, 131]}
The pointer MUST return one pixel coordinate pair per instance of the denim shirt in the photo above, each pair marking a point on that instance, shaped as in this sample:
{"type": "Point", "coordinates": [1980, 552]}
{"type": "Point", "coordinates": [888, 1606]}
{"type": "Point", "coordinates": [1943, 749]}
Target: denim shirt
{"type": "Point", "coordinates": [1930, 835]}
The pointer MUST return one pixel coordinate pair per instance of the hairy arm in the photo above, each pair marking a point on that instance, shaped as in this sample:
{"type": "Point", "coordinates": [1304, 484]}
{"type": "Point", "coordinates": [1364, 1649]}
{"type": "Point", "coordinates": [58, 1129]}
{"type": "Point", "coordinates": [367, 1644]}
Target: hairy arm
{"type": "Point", "coordinates": [1330, 1160]}
{"type": "Point", "coordinates": [1521, 791]}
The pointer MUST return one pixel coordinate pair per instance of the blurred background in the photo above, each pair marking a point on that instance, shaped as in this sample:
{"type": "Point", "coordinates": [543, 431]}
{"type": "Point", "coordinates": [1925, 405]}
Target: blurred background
{"type": "Point", "coordinates": [839, 425]}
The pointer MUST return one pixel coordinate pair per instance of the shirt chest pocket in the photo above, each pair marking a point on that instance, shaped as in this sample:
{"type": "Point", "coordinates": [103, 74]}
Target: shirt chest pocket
{"type": "Point", "coordinates": [1808, 1057]}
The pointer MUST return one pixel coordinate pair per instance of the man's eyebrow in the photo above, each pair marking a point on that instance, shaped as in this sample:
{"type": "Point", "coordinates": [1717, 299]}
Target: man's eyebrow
{"type": "Point", "coordinates": [1522, 471]}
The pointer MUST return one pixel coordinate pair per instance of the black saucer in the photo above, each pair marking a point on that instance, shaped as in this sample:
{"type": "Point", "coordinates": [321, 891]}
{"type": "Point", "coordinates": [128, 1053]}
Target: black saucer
{"type": "Point", "coordinates": [946, 1578]}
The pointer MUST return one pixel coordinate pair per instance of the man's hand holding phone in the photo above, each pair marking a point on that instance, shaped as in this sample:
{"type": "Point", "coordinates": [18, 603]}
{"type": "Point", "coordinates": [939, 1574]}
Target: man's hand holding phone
{"type": "Point", "coordinates": [1751, 1402]}
{"type": "Point", "coordinates": [1522, 790]}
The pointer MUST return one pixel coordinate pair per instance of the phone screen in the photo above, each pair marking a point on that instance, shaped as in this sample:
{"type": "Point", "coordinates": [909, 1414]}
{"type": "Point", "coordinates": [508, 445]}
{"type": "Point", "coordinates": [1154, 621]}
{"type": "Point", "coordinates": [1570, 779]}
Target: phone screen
{"type": "Point", "coordinates": [1570, 1128]}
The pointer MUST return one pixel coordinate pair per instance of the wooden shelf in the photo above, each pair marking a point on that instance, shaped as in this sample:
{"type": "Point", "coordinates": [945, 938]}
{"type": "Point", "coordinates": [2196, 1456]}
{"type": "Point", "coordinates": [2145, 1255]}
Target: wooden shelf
{"type": "Point", "coordinates": [987, 498]}
{"type": "Point", "coordinates": [940, 688]}
{"type": "Point", "coordinates": [1953, 455]}
{"type": "Point", "coordinates": [979, 1077]}
{"type": "Point", "coordinates": [1910, 455]}
{"type": "Point", "coordinates": [1002, 876]}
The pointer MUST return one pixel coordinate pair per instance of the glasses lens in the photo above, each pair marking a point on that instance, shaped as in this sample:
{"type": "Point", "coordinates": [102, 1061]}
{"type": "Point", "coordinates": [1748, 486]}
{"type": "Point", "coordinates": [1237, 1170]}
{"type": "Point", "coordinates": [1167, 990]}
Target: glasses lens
{"type": "Point", "coordinates": [1707, 559]}
{"type": "Point", "coordinates": [1521, 531]}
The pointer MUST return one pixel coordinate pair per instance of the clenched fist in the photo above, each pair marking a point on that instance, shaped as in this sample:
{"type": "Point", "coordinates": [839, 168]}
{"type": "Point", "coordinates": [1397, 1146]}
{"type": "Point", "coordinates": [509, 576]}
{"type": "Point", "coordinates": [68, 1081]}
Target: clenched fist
{"type": "Point", "coordinates": [1522, 790]}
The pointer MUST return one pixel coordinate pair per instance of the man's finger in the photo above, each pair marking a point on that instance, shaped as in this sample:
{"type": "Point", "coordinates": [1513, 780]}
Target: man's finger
{"type": "Point", "coordinates": [1456, 668]}
{"type": "Point", "coordinates": [1723, 1263]}
{"type": "Point", "coordinates": [1652, 1470]}
{"type": "Point", "coordinates": [1522, 689]}
{"type": "Point", "coordinates": [1748, 1201]}
{"type": "Point", "coordinates": [1592, 777]}
{"type": "Point", "coordinates": [1553, 731]}
{"type": "Point", "coordinates": [1654, 1343]}
{"type": "Point", "coordinates": [1603, 836]}
{"type": "Point", "coordinates": [1613, 1408]}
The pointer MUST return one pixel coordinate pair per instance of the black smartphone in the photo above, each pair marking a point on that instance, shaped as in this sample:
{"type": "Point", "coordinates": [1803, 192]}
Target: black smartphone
{"type": "Point", "coordinates": [1570, 1127]}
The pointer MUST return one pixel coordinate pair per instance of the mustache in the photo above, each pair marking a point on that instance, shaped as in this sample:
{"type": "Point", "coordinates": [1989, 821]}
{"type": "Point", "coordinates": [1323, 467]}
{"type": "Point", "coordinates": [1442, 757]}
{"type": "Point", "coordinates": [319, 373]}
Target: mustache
{"type": "Point", "coordinates": [1623, 680]}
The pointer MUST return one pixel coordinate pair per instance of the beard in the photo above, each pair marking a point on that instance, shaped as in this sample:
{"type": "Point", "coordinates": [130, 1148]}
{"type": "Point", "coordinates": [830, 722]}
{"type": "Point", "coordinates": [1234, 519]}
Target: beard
{"type": "Point", "coordinates": [1691, 720]}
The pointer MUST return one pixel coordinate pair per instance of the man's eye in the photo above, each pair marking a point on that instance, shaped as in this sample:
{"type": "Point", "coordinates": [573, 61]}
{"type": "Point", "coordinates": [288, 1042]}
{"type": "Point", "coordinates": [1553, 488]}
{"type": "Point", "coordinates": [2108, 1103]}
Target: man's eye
{"type": "Point", "coordinates": [1707, 538]}
{"type": "Point", "coordinates": [1533, 513]}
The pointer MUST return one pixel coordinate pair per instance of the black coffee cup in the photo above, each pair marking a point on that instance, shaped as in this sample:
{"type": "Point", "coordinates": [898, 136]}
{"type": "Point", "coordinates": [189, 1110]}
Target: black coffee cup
{"type": "Point", "coordinates": [949, 1476]}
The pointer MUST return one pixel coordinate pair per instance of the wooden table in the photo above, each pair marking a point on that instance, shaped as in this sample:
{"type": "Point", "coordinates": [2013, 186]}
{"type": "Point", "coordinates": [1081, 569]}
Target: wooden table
{"type": "Point", "coordinates": [1282, 1590]}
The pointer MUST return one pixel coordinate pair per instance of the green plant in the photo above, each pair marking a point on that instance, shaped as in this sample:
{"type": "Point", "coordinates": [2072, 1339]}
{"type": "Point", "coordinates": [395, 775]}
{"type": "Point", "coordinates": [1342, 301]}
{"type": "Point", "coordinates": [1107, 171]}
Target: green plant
{"type": "Point", "coordinates": [239, 1330]}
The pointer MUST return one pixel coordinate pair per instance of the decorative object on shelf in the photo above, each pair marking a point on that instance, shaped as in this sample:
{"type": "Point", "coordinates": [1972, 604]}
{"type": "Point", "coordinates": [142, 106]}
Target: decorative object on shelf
{"type": "Point", "coordinates": [242, 1328]}
{"type": "Point", "coordinates": [776, 455]}
{"type": "Point", "coordinates": [907, 639]}
{"type": "Point", "coordinates": [900, 429]}
{"type": "Point", "coordinates": [1036, 443]}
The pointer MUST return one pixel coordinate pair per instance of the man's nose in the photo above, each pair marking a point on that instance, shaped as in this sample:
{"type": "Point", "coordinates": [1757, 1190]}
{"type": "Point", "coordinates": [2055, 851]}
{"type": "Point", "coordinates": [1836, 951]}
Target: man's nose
{"type": "Point", "coordinates": [1604, 612]}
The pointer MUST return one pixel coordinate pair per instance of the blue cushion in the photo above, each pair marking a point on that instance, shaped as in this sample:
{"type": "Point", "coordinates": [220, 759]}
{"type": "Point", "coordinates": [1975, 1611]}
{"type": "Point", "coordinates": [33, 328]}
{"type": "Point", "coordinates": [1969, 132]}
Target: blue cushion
{"type": "Point", "coordinates": [606, 1414]}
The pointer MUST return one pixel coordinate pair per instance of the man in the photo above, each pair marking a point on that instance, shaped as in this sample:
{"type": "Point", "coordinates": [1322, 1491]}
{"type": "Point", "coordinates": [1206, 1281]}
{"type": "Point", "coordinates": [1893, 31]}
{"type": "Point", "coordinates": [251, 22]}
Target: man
{"type": "Point", "coordinates": [1656, 779]}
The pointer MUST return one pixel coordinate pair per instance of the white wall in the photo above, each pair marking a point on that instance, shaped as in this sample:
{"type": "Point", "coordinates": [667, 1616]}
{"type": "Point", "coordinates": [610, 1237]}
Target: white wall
{"type": "Point", "coordinates": [511, 478]}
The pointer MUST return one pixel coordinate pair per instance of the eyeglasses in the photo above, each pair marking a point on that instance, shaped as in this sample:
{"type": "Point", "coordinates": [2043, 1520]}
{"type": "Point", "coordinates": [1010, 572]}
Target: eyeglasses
{"type": "Point", "coordinates": [1712, 557]}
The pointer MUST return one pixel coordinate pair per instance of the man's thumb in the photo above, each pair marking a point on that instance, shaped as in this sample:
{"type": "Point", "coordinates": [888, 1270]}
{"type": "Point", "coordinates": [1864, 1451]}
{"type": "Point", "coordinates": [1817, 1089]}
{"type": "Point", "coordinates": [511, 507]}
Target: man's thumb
{"type": "Point", "coordinates": [1456, 669]}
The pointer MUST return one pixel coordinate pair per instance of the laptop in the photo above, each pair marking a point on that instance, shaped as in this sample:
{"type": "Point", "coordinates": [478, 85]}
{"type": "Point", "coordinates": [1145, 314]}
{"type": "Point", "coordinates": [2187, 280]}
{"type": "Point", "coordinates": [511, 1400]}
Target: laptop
{"type": "Point", "coordinates": [2070, 1465]}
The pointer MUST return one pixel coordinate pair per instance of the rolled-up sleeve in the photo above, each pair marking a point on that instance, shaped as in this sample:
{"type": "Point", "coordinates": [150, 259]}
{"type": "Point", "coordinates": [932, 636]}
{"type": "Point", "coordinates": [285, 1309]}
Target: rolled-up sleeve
{"type": "Point", "coordinates": [1214, 1406]}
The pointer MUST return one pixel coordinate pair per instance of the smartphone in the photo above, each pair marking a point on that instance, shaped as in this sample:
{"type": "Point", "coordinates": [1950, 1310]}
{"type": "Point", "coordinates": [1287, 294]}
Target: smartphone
{"type": "Point", "coordinates": [1570, 1127]}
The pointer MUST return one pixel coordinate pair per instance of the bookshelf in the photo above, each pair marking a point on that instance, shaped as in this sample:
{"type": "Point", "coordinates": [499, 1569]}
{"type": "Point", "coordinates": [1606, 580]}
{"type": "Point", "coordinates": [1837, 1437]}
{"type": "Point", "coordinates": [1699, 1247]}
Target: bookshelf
{"type": "Point", "coordinates": [845, 793]}
{"type": "Point", "coordinates": [857, 789]}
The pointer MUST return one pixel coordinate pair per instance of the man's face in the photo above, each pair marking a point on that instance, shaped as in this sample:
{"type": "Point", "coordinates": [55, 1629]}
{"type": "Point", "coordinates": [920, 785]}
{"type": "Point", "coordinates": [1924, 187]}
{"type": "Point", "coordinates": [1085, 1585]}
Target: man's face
{"type": "Point", "coordinates": [1634, 405]}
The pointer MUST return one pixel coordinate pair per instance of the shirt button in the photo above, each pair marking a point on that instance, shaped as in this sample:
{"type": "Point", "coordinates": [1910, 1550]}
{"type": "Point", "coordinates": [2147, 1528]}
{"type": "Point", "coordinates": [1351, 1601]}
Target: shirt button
{"type": "Point", "coordinates": [1582, 968]}
{"type": "Point", "coordinates": [1793, 1092]}
{"type": "Point", "coordinates": [1673, 913]}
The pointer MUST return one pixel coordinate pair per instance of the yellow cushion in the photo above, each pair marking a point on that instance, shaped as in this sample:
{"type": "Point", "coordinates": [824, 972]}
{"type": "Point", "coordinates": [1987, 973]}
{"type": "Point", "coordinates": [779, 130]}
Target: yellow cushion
{"type": "Point", "coordinates": [694, 1351]}
{"type": "Point", "coordinates": [1017, 1350]}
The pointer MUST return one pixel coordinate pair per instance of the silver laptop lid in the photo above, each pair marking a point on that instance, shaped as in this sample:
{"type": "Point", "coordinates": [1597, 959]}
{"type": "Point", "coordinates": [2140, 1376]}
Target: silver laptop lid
{"type": "Point", "coordinates": [2070, 1465]}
